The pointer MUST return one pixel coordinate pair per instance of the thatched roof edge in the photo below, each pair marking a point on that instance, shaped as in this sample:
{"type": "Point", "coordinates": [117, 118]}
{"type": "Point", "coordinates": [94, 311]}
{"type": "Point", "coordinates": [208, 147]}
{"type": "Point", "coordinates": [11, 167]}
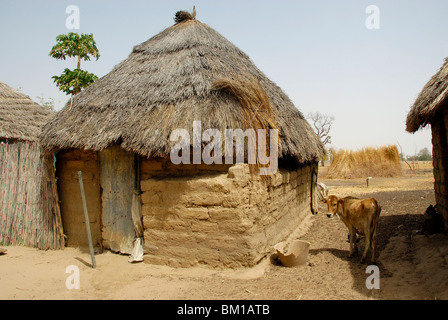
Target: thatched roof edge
{"type": "Point", "coordinates": [433, 96]}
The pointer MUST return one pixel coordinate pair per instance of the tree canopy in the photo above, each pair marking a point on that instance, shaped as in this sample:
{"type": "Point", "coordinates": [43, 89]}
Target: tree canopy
{"type": "Point", "coordinates": [73, 45]}
{"type": "Point", "coordinates": [82, 47]}
{"type": "Point", "coordinates": [71, 81]}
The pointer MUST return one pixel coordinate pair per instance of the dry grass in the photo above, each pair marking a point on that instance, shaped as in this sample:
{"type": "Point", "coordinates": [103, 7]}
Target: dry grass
{"type": "Point", "coordinates": [422, 179]}
{"type": "Point", "coordinates": [367, 162]}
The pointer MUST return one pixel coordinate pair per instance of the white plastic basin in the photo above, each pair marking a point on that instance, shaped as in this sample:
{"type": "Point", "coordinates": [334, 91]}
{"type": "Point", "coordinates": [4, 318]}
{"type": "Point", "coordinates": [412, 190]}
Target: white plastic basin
{"type": "Point", "coordinates": [294, 253]}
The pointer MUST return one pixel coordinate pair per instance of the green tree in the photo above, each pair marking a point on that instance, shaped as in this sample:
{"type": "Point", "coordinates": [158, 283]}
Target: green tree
{"type": "Point", "coordinates": [80, 47]}
{"type": "Point", "coordinates": [71, 81]}
{"type": "Point", "coordinates": [424, 155]}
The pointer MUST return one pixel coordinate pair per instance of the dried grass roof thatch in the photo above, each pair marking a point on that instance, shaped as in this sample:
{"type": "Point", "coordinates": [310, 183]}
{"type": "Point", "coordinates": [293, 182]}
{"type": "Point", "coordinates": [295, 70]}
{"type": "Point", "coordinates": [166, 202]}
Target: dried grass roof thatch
{"type": "Point", "coordinates": [20, 117]}
{"type": "Point", "coordinates": [432, 98]}
{"type": "Point", "coordinates": [166, 83]}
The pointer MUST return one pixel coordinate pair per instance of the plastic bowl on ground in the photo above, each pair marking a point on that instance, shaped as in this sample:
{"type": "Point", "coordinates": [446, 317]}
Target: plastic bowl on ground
{"type": "Point", "coordinates": [294, 253]}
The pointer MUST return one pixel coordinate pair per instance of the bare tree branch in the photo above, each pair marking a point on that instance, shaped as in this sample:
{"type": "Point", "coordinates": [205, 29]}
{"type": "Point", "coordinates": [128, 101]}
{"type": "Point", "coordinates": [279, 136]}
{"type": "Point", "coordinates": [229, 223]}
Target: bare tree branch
{"type": "Point", "coordinates": [322, 125]}
{"type": "Point", "coordinates": [411, 167]}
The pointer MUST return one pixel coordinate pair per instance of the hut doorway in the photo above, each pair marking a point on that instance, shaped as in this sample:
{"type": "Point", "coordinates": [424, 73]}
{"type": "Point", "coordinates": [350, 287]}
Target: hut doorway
{"type": "Point", "coordinates": [68, 163]}
{"type": "Point", "coordinates": [117, 179]}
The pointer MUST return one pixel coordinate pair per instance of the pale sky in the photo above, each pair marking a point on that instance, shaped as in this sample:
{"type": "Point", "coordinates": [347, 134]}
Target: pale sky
{"type": "Point", "coordinates": [319, 52]}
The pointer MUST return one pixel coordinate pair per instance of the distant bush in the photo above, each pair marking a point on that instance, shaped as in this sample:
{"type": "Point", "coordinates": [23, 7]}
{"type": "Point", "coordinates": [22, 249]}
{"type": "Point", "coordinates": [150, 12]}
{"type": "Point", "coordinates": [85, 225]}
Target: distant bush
{"type": "Point", "coordinates": [422, 155]}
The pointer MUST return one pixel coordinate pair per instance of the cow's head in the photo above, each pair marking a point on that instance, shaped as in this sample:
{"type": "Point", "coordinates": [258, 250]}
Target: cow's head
{"type": "Point", "coordinates": [333, 203]}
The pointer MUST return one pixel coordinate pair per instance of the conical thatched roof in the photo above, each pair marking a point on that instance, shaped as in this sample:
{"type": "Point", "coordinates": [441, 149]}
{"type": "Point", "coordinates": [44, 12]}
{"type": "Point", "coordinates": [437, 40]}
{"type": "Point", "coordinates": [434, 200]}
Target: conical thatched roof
{"type": "Point", "coordinates": [168, 82]}
{"type": "Point", "coordinates": [433, 97]}
{"type": "Point", "coordinates": [20, 117]}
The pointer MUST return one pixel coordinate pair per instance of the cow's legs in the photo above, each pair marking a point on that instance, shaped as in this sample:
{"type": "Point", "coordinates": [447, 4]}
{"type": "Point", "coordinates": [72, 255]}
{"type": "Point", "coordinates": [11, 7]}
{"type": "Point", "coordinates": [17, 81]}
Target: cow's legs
{"type": "Point", "coordinates": [353, 247]}
{"type": "Point", "coordinates": [367, 246]}
{"type": "Point", "coordinates": [372, 259]}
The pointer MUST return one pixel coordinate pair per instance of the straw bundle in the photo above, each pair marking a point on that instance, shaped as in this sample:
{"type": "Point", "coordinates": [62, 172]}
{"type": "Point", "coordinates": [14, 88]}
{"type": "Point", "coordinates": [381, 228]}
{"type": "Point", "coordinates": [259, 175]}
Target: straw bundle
{"type": "Point", "coordinates": [367, 162]}
{"type": "Point", "coordinates": [181, 16]}
{"type": "Point", "coordinates": [255, 107]}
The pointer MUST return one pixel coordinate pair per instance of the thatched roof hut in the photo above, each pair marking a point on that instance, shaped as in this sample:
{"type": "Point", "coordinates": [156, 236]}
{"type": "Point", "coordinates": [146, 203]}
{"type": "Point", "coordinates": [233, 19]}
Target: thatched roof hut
{"type": "Point", "coordinates": [166, 83]}
{"type": "Point", "coordinates": [431, 107]}
{"type": "Point", "coordinates": [29, 211]}
{"type": "Point", "coordinates": [185, 74]}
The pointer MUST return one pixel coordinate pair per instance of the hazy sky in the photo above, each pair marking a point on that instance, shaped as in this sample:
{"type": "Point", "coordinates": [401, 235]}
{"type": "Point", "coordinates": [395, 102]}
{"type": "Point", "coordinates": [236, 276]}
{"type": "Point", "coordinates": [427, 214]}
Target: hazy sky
{"type": "Point", "coordinates": [319, 52]}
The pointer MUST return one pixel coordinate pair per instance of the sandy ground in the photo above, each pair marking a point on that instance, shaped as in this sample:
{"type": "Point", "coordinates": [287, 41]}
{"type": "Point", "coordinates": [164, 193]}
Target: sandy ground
{"type": "Point", "coordinates": [411, 266]}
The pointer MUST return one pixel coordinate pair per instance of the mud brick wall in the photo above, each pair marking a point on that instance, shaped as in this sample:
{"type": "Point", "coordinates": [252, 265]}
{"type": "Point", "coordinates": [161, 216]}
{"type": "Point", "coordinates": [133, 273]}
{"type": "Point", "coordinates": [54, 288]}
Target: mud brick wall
{"type": "Point", "coordinates": [220, 216]}
{"type": "Point", "coordinates": [439, 127]}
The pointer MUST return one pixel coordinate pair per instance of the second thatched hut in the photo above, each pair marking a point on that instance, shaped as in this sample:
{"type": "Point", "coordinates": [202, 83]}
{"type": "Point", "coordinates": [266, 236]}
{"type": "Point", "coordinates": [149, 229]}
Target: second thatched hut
{"type": "Point", "coordinates": [431, 107]}
{"type": "Point", "coordinates": [29, 210]}
{"type": "Point", "coordinates": [117, 132]}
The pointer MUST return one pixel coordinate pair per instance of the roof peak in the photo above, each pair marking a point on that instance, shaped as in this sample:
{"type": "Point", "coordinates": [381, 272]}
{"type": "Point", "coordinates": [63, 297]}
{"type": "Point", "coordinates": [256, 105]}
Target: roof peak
{"type": "Point", "coordinates": [181, 16]}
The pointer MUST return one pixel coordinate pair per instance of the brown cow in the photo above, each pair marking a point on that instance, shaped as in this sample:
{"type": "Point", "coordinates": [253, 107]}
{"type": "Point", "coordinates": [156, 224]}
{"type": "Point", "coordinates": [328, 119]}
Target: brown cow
{"type": "Point", "coordinates": [359, 216]}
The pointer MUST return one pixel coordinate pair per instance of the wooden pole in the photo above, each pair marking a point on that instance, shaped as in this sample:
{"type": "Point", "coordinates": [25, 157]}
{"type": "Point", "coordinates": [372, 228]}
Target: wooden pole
{"type": "Point", "coordinates": [86, 217]}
